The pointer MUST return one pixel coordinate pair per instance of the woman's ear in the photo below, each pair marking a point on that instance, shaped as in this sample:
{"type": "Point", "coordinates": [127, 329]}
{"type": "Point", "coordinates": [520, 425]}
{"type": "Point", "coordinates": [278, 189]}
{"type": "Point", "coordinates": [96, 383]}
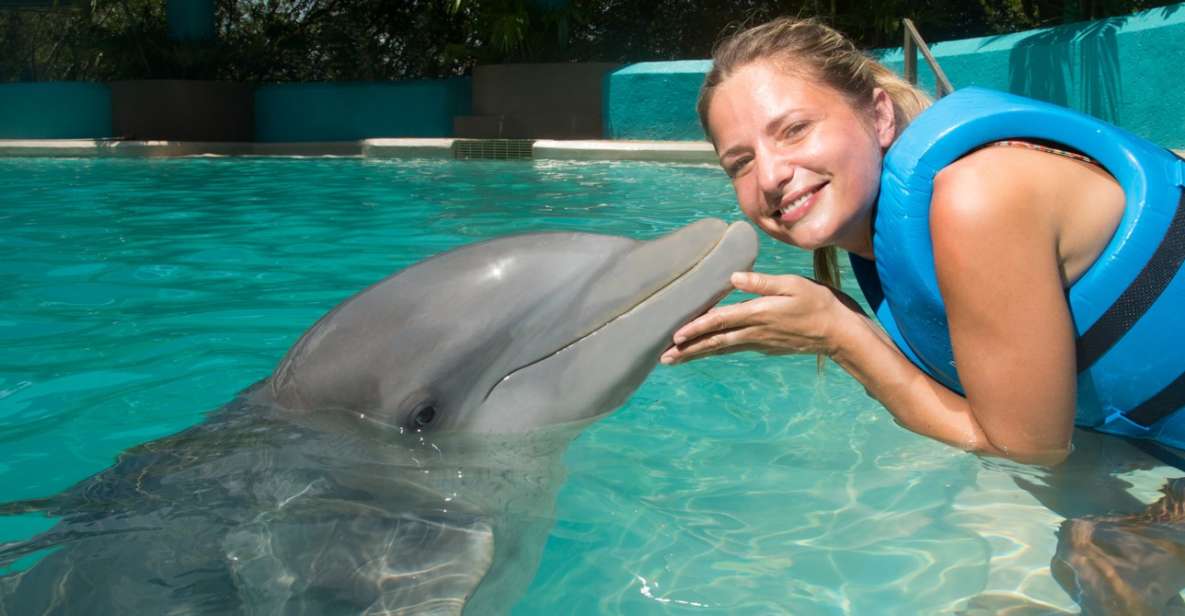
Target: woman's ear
{"type": "Point", "coordinates": [884, 118]}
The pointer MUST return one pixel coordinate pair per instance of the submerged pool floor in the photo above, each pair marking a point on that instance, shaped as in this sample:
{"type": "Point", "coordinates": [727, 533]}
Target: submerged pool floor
{"type": "Point", "coordinates": [140, 294]}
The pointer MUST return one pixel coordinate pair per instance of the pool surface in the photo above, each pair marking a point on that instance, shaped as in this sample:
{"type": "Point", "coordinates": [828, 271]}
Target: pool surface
{"type": "Point", "coordinates": [140, 294]}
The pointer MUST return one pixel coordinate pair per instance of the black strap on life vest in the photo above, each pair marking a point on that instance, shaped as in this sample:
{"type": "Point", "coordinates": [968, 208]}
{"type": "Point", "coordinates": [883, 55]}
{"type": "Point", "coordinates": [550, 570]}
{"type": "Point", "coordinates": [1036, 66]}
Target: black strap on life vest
{"type": "Point", "coordinates": [868, 279]}
{"type": "Point", "coordinates": [1161, 405]}
{"type": "Point", "coordinates": [1135, 300]}
{"type": "Point", "coordinates": [1139, 296]}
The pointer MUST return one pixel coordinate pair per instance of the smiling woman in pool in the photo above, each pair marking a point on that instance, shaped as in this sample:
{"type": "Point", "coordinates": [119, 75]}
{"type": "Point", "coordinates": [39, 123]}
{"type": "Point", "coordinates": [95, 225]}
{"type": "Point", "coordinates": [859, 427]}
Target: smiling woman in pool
{"type": "Point", "coordinates": [814, 136]}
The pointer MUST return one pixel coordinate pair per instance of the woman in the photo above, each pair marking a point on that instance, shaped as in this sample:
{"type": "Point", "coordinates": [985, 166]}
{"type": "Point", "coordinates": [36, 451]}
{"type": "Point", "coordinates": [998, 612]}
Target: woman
{"type": "Point", "coordinates": [987, 342]}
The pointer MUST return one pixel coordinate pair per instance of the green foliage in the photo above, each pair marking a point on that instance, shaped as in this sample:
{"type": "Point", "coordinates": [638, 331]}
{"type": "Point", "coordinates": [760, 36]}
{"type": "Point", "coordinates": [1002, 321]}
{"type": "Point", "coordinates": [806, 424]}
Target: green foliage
{"type": "Point", "coordinates": [311, 40]}
{"type": "Point", "coordinates": [97, 40]}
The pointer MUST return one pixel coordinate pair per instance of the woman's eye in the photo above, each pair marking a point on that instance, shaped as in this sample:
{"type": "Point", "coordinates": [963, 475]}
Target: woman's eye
{"type": "Point", "coordinates": [736, 167]}
{"type": "Point", "coordinates": [793, 129]}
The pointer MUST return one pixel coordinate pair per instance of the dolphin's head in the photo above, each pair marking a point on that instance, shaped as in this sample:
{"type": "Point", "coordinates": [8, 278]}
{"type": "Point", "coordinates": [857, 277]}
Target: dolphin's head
{"type": "Point", "coordinates": [514, 333]}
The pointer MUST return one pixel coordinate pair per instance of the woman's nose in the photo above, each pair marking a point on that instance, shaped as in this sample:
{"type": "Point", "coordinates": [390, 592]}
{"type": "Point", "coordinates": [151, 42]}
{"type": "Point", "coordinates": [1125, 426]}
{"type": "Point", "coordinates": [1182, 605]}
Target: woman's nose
{"type": "Point", "coordinates": [773, 174]}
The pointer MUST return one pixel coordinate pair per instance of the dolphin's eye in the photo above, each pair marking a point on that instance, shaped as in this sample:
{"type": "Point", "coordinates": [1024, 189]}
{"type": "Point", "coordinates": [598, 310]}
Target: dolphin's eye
{"type": "Point", "coordinates": [422, 417]}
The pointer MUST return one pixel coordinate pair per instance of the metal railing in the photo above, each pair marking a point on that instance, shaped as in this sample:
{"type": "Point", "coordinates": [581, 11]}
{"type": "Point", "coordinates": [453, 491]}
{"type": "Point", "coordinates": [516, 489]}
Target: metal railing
{"type": "Point", "coordinates": [914, 44]}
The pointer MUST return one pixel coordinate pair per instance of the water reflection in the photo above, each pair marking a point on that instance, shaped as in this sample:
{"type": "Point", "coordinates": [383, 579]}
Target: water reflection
{"type": "Point", "coordinates": [1116, 553]}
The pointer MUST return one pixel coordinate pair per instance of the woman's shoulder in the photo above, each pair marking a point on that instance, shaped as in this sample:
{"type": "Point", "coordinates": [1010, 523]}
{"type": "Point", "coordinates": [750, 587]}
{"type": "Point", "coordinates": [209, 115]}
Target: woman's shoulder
{"type": "Point", "coordinates": [1004, 198]}
{"type": "Point", "coordinates": [993, 184]}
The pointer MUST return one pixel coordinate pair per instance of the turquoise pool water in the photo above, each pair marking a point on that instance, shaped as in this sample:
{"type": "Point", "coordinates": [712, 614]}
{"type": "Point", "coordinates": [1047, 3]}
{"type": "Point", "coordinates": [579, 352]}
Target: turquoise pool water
{"type": "Point", "coordinates": [139, 294]}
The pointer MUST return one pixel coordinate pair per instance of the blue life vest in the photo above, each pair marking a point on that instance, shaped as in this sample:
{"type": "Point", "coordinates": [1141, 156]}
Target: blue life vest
{"type": "Point", "coordinates": [1129, 306]}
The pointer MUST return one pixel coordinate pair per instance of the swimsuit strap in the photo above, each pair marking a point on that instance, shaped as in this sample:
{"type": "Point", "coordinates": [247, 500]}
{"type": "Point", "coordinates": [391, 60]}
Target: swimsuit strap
{"type": "Point", "coordinates": [1044, 148]}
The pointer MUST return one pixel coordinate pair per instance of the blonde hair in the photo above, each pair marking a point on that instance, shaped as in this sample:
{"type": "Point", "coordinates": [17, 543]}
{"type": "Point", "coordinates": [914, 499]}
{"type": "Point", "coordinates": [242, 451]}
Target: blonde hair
{"type": "Point", "coordinates": [810, 47]}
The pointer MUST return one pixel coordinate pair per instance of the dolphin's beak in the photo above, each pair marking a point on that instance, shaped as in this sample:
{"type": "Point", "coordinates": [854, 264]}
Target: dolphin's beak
{"type": "Point", "coordinates": [659, 286]}
{"type": "Point", "coordinates": [655, 265]}
{"type": "Point", "coordinates": [734, 250]}
{"type": "Point", "coordinates": [710, 251]}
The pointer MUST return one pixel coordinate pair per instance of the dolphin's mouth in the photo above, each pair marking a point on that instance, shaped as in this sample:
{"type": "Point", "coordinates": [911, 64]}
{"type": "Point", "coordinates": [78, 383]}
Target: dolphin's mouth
{"type": "Point", "coordinates": [718, 288]}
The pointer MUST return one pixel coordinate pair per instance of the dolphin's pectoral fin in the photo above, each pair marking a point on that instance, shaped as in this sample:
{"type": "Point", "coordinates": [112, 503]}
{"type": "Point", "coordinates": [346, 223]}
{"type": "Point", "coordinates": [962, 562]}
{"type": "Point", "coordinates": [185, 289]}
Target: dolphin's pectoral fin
{"type": "Point", "coordinates": [1133, 564]}
{"type": "Point", "coordinates": [332, 556]}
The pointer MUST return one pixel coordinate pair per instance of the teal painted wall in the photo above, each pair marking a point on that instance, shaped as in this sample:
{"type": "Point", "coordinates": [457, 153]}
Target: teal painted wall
{"type": "Point", "coordinates": [55, 110]}
{"type": "Point", "coordinates": [351, 111]}
{"type": "Point", "coordinates": [1121, 69]}
{"type": "Point", "coordinates": [654, 100]}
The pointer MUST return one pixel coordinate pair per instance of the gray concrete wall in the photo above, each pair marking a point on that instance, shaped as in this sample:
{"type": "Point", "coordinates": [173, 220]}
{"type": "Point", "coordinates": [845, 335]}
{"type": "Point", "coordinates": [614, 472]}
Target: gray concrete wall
{"type": "Point", "coordinates": [539, 88]}
{"type": "Point", "coordinates": [178, 110]}
{"type": "Point", "coordinates": [557, 101]}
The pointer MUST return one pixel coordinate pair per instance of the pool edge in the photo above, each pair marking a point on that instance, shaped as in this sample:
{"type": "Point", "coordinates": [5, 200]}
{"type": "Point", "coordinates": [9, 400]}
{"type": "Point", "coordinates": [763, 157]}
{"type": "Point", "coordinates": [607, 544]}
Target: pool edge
{"type": "Point", "coordinates": [543, 149]}
{"type": "Point", "coordinates": [73, 148]}
{"type": "Point", "coordinates": [653, 151]}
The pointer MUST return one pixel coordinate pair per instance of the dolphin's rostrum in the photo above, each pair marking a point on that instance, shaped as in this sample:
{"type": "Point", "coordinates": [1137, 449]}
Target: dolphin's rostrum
{"type": "Point", "coordinates": [401, 459]}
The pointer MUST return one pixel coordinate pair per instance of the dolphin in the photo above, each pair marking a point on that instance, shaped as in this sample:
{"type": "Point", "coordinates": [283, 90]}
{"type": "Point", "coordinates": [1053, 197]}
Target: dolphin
{"type": "Point", "coordinates": [402, 458]}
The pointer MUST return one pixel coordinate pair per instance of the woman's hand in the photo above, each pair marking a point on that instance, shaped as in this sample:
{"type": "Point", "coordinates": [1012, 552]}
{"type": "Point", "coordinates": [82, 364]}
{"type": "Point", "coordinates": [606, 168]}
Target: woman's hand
{"type": "Point", "coordinates": [794, 315]}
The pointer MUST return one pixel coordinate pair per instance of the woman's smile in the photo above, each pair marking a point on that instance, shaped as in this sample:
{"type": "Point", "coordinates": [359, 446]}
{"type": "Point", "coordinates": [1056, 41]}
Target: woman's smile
{"type": "Point", "coordinates": [796, 205]}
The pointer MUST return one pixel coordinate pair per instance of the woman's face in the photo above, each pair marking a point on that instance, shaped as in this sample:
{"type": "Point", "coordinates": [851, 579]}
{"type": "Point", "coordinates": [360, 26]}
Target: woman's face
{"type": "Point", "coordinates": [805, 164]}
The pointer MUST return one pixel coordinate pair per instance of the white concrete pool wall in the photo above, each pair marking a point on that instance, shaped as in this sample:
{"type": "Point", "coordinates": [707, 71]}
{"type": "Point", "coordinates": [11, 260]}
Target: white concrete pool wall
{"type": "Point", "coordinates": [687, 152]}
{"type": "Point", "coordinates": [546, 149]}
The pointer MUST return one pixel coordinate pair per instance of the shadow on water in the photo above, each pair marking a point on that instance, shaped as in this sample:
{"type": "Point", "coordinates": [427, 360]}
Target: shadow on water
{"type": "Point", "coordinates": [1047, 65]}
{"type": "Point", "coordinates": [1115, 554]}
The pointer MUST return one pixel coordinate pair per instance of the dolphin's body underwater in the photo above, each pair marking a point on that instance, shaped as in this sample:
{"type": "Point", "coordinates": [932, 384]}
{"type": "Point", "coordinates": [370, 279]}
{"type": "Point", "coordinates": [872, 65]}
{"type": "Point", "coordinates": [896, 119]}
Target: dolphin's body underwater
{"type": "Point", "coordinates": [401, 459]}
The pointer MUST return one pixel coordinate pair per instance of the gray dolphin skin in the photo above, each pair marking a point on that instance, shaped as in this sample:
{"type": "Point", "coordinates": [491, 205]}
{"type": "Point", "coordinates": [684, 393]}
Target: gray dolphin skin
{"type": "Point", "coordinates": [403, 458]}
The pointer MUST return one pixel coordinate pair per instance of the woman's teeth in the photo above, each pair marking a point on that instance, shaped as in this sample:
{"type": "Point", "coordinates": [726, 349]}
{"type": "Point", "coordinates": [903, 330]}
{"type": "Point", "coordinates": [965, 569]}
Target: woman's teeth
{"type": "Point", "coordinates": [797, 202]}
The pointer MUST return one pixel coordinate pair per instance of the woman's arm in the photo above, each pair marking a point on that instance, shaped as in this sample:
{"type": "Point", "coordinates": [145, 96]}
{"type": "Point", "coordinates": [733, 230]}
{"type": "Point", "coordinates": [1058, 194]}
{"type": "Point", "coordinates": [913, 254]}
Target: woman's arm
{"type": "Point", "coordinates": [799, 316]}
{"type": "Point", "coordinates": [997, 220]}
{"type": "Point", "coordinates": [996, 224]}
{"type": "Point", "coordinates": [1000, 220]}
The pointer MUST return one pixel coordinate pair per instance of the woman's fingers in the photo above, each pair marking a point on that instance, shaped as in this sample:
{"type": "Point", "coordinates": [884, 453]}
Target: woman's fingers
{"type": "Point", "coordinates": [717, 319]}
{"type": "Point", "coordinates": [765, 284]}
{"type": "Point", "coordinates": [724, 329]}
{"type": "Point", "coordinates": [792, 315]}
{"type": "Point", "coordinates": [716, 343]}
{"type": "Point", "coordinates": [739, 315]}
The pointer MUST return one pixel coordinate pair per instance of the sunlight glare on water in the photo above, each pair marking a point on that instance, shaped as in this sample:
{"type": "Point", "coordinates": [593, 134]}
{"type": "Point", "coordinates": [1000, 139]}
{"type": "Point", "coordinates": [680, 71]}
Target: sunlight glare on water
{"type": "Point", "coordinates": [139, 294]}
